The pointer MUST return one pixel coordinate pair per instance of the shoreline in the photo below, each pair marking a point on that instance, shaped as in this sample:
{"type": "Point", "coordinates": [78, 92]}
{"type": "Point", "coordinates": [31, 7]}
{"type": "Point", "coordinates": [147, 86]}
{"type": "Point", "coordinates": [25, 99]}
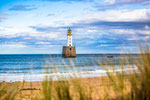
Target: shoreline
{"type": "Point", "coordinates": [56, 76]}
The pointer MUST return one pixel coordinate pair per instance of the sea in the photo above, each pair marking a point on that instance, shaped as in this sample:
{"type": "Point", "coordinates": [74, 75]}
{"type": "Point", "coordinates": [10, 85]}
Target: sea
{"type": "Point", "coordinates": [35, 67]}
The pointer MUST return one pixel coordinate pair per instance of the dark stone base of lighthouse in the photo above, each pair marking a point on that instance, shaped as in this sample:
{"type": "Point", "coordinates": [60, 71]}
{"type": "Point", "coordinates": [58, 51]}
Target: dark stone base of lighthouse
{"type": "Point", "coordinates": [69, 52]}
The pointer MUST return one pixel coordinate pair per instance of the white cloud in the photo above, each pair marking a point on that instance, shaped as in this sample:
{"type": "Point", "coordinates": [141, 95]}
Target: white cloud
{"type": "Point", "coordinates": [103, 45]}
{"type": "Point", "coordinates": [145, 32]}
{"type": "Point", "coordinates": [134, 38]}
{"type": "Point", "coordinates": [2, 28]}
{"type": "Point", "coordinates": [117, 15]}
{"type": "Point", "coordinates": [29, 33]}
{"type": "Point", "coordinates": [3, 15]}
{"type": "Point", "coordinates": [131, 34]}
{"type": "Point", "coordinates": [92, 31]}
{"type": "Point", "coordinates": [129, 31]}
{"type": "Point", "coordinates": [43, 42]}
{"type": "Point", "coordinates": [123, 31]}
{"type": "Point", "coordinates": [12, 46]}
{"type": "Point", "coordinates": [147, 27]}
{"type": "Point", "coordinates": [111, 15]}
{"type": "Point", "coordinates": [110, 2]}
{"type": "Point", "coordinates": [147, 37]}
{"type": "Point", "coordinates": [102, 41]}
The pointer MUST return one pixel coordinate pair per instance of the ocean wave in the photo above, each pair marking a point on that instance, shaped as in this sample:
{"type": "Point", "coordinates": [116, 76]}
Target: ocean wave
{"type": "Point", "coordinates": [56, 76]}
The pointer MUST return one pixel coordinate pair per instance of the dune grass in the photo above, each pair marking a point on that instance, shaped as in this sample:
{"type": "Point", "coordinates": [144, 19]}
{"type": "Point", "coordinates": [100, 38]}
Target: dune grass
{"type": "Point", "coordinates": [8, 91]}
{"type": "Point", "coordinates": [116, 85]}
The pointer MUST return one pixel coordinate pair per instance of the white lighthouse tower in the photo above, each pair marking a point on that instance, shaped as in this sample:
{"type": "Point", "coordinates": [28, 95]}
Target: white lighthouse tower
{"type": "Point", "coordinates": [69, 38]}
{"type": "Point", "coordinates": [69, 51]}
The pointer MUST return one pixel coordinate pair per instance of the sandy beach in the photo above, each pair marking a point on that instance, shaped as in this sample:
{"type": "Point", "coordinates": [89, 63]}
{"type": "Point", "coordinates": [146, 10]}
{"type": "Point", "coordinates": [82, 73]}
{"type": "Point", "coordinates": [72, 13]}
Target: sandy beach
{"type": "Point", "coordinates": [34, 90]}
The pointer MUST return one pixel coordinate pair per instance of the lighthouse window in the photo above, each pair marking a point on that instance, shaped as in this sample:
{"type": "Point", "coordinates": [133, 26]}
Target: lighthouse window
{"type": "Point", "coordinates": [70, 48]}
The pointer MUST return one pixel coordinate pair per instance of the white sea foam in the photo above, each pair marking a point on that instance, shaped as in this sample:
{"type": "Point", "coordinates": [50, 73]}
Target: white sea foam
{"type": "Point", "coordinates": [56, 76]}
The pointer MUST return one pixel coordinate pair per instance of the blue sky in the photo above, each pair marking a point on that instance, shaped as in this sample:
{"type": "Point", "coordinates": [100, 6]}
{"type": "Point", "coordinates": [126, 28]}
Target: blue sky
{"type": "Point", "coordinates": [98, 26]}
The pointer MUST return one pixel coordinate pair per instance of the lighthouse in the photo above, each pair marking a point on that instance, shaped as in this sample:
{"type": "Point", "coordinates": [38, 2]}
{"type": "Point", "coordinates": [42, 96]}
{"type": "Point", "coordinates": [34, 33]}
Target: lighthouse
{"type": "Point", "coordinates": [69, 38]}
{"type": "Point", "coordinates": [69, 51]}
